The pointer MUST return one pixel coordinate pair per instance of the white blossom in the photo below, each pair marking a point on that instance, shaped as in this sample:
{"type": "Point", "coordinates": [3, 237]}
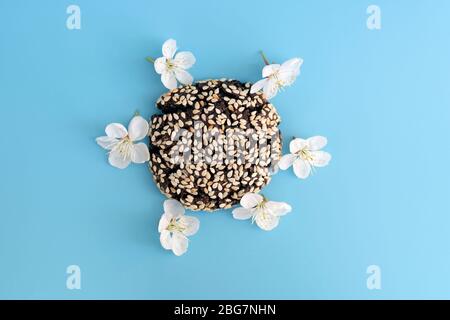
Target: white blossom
{"type": "Point", "coordinates": [121, 142]}
{"type": "Point", "coordinates": [305, 155]}
{"type": "Point", "coordinates": [172, 68]}
{"type": "Point", "coordinates": [265, 213]}
{"type": "Point", "coordinates": [175, 227]}
{"type": "Point", "coordinates": [277, 77]}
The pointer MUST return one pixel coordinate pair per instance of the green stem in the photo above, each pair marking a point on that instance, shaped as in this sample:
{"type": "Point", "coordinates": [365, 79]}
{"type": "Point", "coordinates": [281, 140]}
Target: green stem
{"type": "Point", "coordinates": [264, 57]}
{"type": "Point", "coordinates": [150, 59]}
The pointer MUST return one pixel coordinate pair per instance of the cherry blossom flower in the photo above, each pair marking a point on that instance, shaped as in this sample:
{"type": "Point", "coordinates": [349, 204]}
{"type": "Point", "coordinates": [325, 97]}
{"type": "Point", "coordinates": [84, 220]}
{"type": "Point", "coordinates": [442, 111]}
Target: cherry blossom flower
{"type": "Point", "coordinates": [175, 227]}
{"type": "Point", "coordinates": [305, 155]}
{"type": "Point", "coordinates": [277, 77]}
{"type": "Point", "coordinates": [172, 68]}
{"type": "Point", "coordinates": [121, 142]}
{"type": "Point", "coordinates": [265, 213]}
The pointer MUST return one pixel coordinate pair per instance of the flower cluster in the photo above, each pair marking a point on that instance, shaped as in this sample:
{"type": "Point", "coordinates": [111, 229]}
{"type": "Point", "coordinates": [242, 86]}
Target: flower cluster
{"type": "Point", "coordinates": [174, 226]}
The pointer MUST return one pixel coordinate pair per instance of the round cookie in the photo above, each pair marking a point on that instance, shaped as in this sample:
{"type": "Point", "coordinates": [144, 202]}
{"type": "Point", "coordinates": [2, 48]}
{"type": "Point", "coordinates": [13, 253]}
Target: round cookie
{"type": "Point", "coordinates": [214, 142]}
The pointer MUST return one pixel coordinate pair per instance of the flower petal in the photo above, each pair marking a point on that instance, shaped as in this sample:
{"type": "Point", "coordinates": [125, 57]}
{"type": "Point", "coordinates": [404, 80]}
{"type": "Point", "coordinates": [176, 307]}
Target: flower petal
{"type": "Point", "coordinates": [292, 66]}
{"type": "Point", "coordinates": [302, 169]}
{"type": "Point", "coordinates": [191, 224]}
{"type": "Point", "coordinates": [278, 208]}
{"type": "Point", "coordinates": [267, 221]}
{"type": "Point", "coordinates": [251, 200]}
{"type": "Point", "coordinates": [160, 65]}
{"type": "Point", "coordinates": [320, 158]}
{"type": "Point", "coordinates": [183, 76]}
{"type": "Point", "coordinates": [286, 161]}
{"type": "Point", "coordinates": [106, 142]}
{"type": "Point", "coordinates": [140, 153]}
{"type": "Point", "coordinates": [164, 221]}
{"type": "Point", "coordinates": [173, 207]}
{"type": "Point", "coordinates": [270, 88]}
{"type": "Point", "coordinates": [179, 243]}
{"type": "Point", "coordinates": [116, 130]}
{"type": "Point", "coordinates": [316, 143]}
{"type": "Point", "coordinates": [242, 213]}
{"type": "Point", "coordinates": [168, 79]}
{"type": "Point", "coordinates": [169, 48]}
{"type": "Point", "coordinates": [289, 71]}
{"type": "Point", "coordinates": [166, 240]}
{"type": "Point", "coordinates": [258, 85]}
{"type": "Point", "coordinates": [138, 128]}
{"type": "Point", "coordinates": [184, 60]}
{"type": "Point", "coordinates": [116, 159]}
{"type": "Point", "coordinates": [287, 78]}
{"type": "Point", "coordinates": [270, 69]}
{"type": "Point", "coordinates": [297, 144]}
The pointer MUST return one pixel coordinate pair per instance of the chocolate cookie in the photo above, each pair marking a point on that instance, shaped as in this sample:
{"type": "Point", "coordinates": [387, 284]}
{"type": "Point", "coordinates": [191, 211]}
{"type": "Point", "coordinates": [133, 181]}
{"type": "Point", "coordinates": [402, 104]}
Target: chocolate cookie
{"type": "Point", "coordinates": [214, 142]}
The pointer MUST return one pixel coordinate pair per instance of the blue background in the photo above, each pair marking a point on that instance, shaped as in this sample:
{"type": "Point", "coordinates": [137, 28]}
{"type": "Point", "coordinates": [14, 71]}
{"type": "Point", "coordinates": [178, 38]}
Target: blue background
{"type": "Point", "coordinates": [380, 96]}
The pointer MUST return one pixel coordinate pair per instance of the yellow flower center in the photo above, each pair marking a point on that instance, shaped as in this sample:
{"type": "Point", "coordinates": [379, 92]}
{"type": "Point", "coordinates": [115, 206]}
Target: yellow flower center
{"type": "Point", "coordinates": [124, 146]}
{"type": "Point", "coordinates": [279, 83]}
{"type": "Point", "coordinates": [261, 209]}
{"type": "Point", "coordinates": [305, 154]}
{"type": "Point", "coordinates": [170, 65]}
{"type": "Point", "coordinates": [175, 225]}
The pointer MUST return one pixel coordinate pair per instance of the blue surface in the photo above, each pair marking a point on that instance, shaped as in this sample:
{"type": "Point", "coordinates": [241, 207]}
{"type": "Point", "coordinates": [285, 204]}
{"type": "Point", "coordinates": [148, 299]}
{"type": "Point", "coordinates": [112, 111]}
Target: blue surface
{"type": "Point", "coordinates": [381, 97]}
